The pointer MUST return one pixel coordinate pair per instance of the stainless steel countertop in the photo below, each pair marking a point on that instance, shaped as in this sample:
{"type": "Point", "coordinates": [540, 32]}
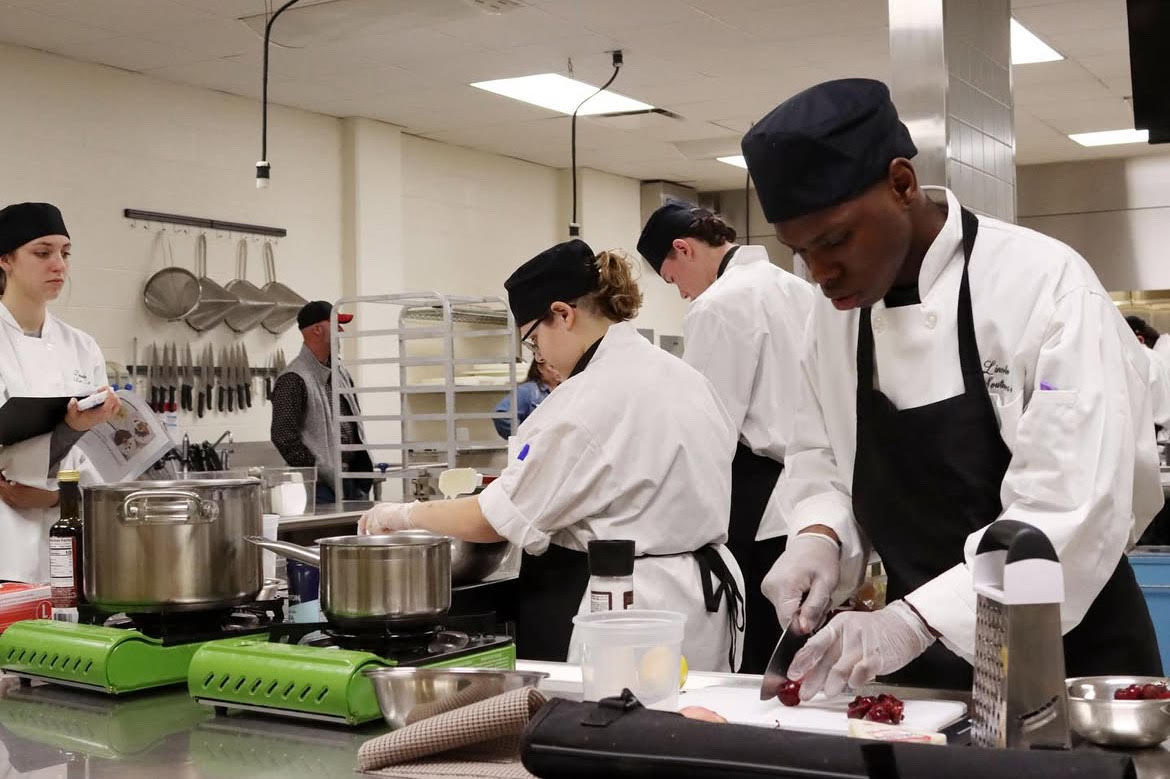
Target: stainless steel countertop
{"type": "Point", "coordinates": [48, 731]}
{"type": "Point", "coordinates": [327, 514]}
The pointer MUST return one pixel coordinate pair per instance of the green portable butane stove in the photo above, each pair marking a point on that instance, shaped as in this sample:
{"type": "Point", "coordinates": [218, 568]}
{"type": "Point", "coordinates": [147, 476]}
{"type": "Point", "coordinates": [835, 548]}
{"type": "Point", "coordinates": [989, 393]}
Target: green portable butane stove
{"type": "Point", "coordinates": [133, 656]}
{"type": "Point", "coordinates": [324, 681]}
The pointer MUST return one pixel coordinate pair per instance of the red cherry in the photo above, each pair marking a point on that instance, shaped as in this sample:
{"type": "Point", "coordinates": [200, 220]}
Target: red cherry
{"type": "Point", "coordinates": [880, 713]}
{"type": "Point", "coordinates": [790, 693]}
{"type": "Point", "coordinates": [1126, 694]}
{"type": "Point", "coordinates": [1151, 692]}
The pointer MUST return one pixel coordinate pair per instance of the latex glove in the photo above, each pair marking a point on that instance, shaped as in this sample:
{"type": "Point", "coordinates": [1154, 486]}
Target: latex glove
{"type": "Point", "coordinates": [386, 518]}
{"type": "Point", "coordinates": [856, 646]}
{"type": "Point", "coordinates": [810, 564]}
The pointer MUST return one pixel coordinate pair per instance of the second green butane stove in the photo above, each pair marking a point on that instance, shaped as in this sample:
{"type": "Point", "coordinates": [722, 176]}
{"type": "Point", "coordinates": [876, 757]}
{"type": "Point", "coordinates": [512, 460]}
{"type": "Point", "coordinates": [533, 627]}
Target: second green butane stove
{"type": "Point", "coordinates": [323, 680]}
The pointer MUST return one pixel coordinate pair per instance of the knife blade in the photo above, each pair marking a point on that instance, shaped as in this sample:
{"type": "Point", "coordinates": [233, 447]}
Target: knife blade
{"type": "Point", "coordinates": [229, 362]}
{"type": "Point", "coordinates": [776, 673]}
{"type": "Point", "coordinates": [209, 377]}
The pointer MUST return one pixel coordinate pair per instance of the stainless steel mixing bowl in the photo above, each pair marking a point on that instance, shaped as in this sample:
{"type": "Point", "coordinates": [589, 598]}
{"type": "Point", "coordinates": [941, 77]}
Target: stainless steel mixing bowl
{"type": "Point", "coordinates": [1097, 717]}
{"type": "Point", "coordinates": [408, 695]}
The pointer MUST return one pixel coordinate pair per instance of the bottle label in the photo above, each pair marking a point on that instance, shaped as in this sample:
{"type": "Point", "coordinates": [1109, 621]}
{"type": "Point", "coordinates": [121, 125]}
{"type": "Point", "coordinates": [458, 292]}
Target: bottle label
{"type": "Point", "coordinates": [600, 601]}
{"type": "Point", "coordinates": [62, 582]}
{"type": "Point", "coordinates": [66, 615]}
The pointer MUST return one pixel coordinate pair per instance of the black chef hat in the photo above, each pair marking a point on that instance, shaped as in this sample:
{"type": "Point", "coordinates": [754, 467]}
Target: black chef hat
{"type": "Point", "coordinates": [24, 222]}
{"type": "Point", "coordinates": [824, 146]}
{"type": "Point", "coordinates": [565, 272]}
{"type": "Point", "coordinates": [672, 220]}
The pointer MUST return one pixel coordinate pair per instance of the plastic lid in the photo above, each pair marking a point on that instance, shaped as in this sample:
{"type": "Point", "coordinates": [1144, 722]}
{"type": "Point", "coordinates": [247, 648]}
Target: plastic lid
{"type": "Point", "coordinates": [611, 558]}
{"type": "Point", "coordinates": [68, 475]}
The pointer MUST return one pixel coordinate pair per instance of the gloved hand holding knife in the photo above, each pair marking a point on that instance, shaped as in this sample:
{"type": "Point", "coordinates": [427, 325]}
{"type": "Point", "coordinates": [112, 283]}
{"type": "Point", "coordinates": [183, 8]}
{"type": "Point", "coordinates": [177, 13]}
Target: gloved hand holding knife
{"type": "Point", "coordinates": [854, 646]}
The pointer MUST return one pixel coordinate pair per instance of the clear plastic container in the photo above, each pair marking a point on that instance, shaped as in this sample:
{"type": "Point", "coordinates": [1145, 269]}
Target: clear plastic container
{"type": "Point", "coordinates": [639, 648]}
{"type": "Point", "coordinates": [288, 491]}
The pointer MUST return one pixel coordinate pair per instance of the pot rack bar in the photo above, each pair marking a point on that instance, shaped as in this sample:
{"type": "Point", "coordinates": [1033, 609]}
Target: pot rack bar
{"type": "Point", "coordinates": [206, 224]}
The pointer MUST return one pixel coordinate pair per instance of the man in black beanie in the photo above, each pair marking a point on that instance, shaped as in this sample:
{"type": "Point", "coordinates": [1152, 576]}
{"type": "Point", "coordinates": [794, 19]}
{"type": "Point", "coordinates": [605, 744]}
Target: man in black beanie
{"type": "Point", "coordinates": [961, 370]}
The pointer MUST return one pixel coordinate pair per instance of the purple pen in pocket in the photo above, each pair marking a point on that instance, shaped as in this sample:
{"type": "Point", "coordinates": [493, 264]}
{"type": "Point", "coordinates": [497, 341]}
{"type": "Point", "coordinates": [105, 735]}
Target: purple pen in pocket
{"type": "Point", "coordinates": [1046, 386]}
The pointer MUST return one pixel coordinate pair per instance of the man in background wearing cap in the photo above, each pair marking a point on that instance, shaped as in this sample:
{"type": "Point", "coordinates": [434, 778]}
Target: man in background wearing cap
{"type": "Point", "coordinates": [960, 370]}
{"type": "Point", "coordinates": [302, 410]}
{"type": "Point", "coordinates": [743, 331]}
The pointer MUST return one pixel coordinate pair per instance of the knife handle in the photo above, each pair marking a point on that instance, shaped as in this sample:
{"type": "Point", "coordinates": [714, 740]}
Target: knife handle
{"type": "Point", "coordinates": [220, 398]}
{"type": "Point", "coordinates": [248, 394]}
{"type": "Point", "coordinates": [199, 410]}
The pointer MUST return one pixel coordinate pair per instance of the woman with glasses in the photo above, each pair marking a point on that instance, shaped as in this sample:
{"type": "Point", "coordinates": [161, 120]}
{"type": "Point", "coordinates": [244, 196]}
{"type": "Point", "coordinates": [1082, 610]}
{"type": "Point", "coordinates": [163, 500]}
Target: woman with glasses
{"type": "Point", "coordinates": [541, 380]}
{"type": "Point", "coordinates": [633, 445]}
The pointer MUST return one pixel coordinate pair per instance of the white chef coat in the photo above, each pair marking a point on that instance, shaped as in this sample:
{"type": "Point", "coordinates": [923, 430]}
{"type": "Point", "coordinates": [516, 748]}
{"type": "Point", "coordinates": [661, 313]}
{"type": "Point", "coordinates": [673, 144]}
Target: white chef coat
{"type": "Point", "coordinates": [62, 361]}
{"type": "Point", "coordinates": [1084, 467]}
{"type": "Point", "coordinates": [637, 446]}
{"type": "Point", "coordinates": [1162, 346]}
{"type": "Point", "coordinates": [1159, 385]}
{"type": "Point", "coordinates": [745, 333]}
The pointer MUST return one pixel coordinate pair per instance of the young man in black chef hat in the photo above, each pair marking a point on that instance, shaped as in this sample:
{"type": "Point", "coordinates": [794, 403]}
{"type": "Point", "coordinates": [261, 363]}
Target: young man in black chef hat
{"type": "Point", "coordinates": [960, 370]}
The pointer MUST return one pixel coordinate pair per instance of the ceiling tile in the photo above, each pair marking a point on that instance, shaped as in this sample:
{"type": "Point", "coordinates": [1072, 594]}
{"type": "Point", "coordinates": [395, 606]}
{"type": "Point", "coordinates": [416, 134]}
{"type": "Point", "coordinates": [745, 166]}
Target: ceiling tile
{"type": "Point", "coordinates": [132, 53]}
{"type": "Point", "coordinates": [1084, 116]}
{"type": "Point", "coordinates": [1070, 16]}
{"type": "Point", "coordinates": [24, 27]}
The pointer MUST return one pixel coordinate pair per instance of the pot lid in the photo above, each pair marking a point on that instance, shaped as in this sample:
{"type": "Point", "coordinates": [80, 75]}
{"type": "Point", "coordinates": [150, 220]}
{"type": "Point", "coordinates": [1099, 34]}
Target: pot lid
{"type": "Point", "coordinates": [184, 484]}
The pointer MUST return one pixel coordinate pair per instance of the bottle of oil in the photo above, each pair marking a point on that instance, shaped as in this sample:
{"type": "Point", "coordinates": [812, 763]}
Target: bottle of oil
{"type": "Point", "coordinates": [65, 544]}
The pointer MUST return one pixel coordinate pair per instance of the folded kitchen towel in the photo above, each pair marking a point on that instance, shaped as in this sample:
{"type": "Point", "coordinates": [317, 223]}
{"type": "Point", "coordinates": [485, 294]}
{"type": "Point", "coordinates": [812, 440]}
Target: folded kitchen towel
{"type": "Point", "coordinates": [478, 740]}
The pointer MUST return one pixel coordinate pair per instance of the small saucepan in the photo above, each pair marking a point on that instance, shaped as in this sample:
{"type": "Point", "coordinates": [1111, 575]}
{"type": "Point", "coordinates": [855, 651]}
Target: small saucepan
{"type": "Point", "coordinates": [400, 580]}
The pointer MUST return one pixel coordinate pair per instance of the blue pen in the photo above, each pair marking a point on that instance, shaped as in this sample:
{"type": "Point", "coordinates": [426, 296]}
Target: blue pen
{"type": "Point", "coordinates": [1046, 386]}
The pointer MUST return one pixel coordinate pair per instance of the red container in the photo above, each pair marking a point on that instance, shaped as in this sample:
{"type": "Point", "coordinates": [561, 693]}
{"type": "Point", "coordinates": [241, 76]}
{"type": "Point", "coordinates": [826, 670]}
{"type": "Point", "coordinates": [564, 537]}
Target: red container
{"type": "Point", "coordinates": [24, 601]}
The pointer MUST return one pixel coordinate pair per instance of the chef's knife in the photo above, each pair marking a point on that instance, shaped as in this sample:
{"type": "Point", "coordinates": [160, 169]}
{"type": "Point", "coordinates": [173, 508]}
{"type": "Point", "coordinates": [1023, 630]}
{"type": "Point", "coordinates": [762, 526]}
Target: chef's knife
{"type": "Point", "coordinates": [209, 378]}
{"type": "Point", "coordinates": [229, 362]}
{"type": "Point", "coordinates": [188, 380]}
{"type": "Point", "coordinates": [247, 375]}
{"type": "Point", "coordinates": [776, 674]}
{"type": "Point", "coordinates": [152, 377]}
{"type": "Point", "coordinates": [221, 380]}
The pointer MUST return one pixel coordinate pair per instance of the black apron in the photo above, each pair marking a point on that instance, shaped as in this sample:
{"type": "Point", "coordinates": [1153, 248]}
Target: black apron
{"type": "Point", "coordinates": [551, 586]}
{"type": "Point", "coordinates": [753, 477]}
{"type": "Point", "coordinates": [925, 478]}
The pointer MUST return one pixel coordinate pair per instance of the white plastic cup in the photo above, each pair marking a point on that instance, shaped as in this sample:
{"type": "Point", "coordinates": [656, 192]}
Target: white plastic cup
{"type": "Point", "coordinates": [271, 528]}
{"type": "Point", "coordinates": [639, 649]}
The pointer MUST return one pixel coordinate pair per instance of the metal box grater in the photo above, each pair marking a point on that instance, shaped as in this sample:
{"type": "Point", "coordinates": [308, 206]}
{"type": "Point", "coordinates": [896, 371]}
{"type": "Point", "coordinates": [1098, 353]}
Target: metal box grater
{"type": "Point", "coordinates": [1019, 697]}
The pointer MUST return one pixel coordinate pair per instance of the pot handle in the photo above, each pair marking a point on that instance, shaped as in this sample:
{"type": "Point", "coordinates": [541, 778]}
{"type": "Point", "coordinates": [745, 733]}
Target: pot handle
{"type": "Point", "coordinates": [285, 549]}
{"type": "Point", "coordinates": [135, 508]}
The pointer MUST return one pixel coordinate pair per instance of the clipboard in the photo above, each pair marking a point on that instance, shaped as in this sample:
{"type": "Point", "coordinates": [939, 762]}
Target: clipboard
{"type": "Point", "coordinates": [25, 418]}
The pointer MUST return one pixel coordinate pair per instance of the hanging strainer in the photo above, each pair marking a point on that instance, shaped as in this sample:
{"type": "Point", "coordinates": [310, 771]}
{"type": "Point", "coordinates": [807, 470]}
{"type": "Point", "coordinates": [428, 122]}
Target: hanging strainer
{"type": "Point", "coordinates": [253, 306]}
{"type": "Point", "coordinates": [173, 292]}
{"type": "Point", "coordinates": [214, 301]}
{"type": "Point", "coordinates": [286, 303]}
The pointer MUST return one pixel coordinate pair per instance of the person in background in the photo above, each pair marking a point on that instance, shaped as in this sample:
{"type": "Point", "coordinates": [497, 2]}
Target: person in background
{"type": "Point", "coordinates": [1159, 369]}
{"type": "Point", "coordinates": [40, 356]}
{"type": "Point", "coordinates": [633, 445]}
{"type": "Point", "coordinates": [958, 370]}
{"type": "Point", "coordinates": [1158, 532]}
{"type": "Point", "coordinates": [302, 410]}
{"type": "Point", "coordinates": [542, 379]}
{"type": "Point", "coordinates": [744, 331]}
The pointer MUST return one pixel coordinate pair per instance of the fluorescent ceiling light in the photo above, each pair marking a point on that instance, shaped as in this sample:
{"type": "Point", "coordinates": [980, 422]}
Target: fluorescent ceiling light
{"type": "Point", "coordinates": [1027, 48]}
{"type": "Point", "coordinates": [1111, 137]}
{"type": "Point", "coordinates": [558, 93]}
{"type": "Point", "coordinates": [735, 159]}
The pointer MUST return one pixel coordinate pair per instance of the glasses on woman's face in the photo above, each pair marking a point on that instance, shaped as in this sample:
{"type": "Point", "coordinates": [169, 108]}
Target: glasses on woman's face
{"type": "Point", "coordinates": [529, 339]}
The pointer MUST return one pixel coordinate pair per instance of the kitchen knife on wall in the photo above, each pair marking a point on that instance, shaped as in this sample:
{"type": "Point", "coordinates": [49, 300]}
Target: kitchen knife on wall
{"type": "Point", "coordinates": [221, 381]}
{"type": "Point", "coordinates": [247, 375]}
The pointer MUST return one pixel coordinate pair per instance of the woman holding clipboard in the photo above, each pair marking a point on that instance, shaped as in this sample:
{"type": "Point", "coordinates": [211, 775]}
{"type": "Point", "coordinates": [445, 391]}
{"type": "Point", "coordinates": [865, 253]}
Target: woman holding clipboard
{"type": "Point", "coordinates": [40, 356]}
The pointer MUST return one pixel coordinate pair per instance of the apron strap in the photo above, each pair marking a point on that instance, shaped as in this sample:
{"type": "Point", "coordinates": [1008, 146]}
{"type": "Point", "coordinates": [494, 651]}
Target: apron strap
{"type": "Point", "coordinates": [711, 562]}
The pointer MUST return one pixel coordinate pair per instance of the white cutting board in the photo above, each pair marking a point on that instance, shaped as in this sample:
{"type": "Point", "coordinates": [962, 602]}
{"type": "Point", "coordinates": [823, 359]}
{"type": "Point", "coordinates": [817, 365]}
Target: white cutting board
{"type": "Point", "coordinates": [742, 705]}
